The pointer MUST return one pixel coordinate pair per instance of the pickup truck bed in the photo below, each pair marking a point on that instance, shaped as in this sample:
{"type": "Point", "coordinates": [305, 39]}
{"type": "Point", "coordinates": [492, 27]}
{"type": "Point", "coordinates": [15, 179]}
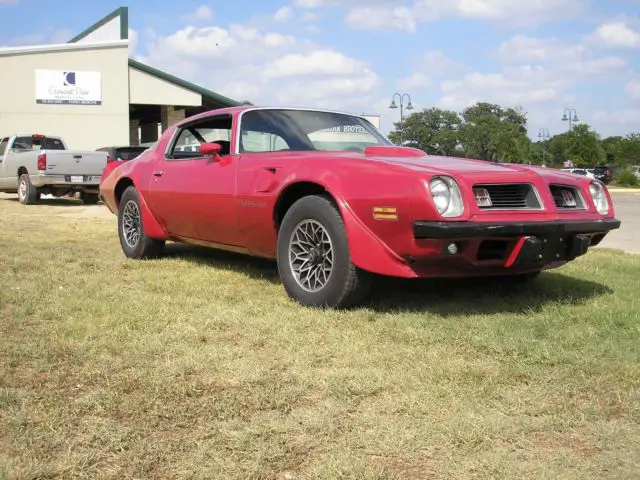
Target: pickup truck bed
{"type": "Point", "coordinates": [32, 165]}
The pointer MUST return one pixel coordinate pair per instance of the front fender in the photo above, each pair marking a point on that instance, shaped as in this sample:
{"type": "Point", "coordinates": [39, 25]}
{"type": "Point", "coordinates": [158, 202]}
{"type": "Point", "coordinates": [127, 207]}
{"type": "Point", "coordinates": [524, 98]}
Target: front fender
{"type": "Point", "coordinates": [368, 251]}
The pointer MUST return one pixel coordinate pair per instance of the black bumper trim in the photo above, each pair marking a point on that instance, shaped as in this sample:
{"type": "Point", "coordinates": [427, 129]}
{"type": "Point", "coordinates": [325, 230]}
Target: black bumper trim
{"type": "Point", "coordinates": [426, 230]}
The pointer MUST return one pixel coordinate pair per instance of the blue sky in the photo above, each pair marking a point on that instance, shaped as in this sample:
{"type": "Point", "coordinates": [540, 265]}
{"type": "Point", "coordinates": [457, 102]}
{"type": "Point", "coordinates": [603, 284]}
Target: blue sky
{"type": "Point", "coordinates": [540, 56]}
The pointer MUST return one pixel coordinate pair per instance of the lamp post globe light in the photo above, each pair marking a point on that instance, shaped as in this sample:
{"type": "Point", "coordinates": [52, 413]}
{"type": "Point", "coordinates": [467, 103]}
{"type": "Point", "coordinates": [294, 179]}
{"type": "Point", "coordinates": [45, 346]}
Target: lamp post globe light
{"type": "Point", "coordinates": [567, 116]}
{"type": "Point", "coordinates": [401, 96]}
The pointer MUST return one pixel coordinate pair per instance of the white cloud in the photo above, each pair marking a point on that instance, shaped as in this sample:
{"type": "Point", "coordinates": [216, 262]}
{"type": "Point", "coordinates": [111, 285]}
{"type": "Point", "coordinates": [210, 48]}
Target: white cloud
{"type": "Point", "coordinates": [309, 17]}
{"type": "Point", "coordinates": [284, 14]}
{"type": "Point", "coordinates": [45, 36]}
{"type": "Point", "coordinates": [201, 13]}
{"type": "Point", "coordinates": [265, 67]}
{"type": "Point", "coordinates": [513, 86]}
{"type": "Point", "coordinates": [320, 62]}
{"type": "Point", "coordinates": [405, 16]}
{"type": "Point", "coordinates": [415, 80]}
{"type": "Point", "coordinates": [564, 58]}
{"type": "Point", "coordinates": [616, 34]}
{"type": "Point", "coordinates": [308, 3]}
{"type": "Point", "coordinates": [427, 67]}
{"type": "Point", "coordinates": [369, 18]}
{"type": "Point", "coordinates": [133, 41]}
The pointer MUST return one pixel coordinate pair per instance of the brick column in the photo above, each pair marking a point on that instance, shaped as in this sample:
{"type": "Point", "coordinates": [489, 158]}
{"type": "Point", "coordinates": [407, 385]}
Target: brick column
{"type": "Point", "coordinates": [170, 115]}
{"type": "Point", "coordinates": [134, 135]}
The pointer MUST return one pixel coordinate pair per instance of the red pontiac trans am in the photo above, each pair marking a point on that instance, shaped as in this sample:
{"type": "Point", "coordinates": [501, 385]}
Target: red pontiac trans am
{"type": "Point", "coordinates": [334, 201]}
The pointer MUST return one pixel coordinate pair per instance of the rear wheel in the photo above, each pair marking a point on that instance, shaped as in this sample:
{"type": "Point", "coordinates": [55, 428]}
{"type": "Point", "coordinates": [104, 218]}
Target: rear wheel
{"type": "Point", "coordinates": [314, 262]}
{"type": "Point", "coordinates": [134, 242]}
{"type": "Point", "coordinates": [27, 193]}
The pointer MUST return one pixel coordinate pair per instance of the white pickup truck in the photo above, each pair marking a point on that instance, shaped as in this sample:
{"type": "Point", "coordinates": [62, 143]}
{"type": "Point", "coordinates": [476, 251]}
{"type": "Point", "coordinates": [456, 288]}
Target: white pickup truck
{"type": "Point", "coordinates": [35, 164]}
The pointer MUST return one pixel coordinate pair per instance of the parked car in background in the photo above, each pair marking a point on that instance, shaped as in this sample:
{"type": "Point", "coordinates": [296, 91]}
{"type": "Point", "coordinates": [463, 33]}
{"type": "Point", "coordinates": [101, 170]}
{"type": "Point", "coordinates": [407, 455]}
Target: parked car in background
{"type": "Point", "coordinates": [36, 164]}
{"type": "Point", "coordinates": [603, 173]}
{"type": "Point", "coordinates": [636, 170]}
{"type": "Point", "coordinates": [122, 153]}
{"type": "Point", "coordinates": [118, 155]}
{"type": "Point", "coordinates": [333, 201]}
{"type": "Point", "coordinates": [580, 171]}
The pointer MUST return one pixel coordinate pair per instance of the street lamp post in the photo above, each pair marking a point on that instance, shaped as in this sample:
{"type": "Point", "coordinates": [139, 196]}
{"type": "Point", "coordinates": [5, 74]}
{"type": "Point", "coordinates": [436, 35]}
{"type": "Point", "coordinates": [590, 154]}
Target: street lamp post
{"type": "Point", "coordinates": [568, 117]}
{"type": "Point", "coordinates": [543, 134]}
{"type": "Point", "coordinates": [409, 107]}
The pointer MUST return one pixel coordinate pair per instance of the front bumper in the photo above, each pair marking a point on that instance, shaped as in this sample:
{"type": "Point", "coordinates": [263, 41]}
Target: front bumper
{"type": "Point", "coordinates": [475, 247]}
{"type": "Point", "coordinates": [460, 230]}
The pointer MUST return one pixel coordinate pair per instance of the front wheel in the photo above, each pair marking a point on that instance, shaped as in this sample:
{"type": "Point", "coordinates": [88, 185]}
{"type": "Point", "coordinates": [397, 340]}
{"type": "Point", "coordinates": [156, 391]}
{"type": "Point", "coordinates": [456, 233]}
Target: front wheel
{"type": "Point", "coordinates": [313, 256]}
{"type": "Point", "coordinates": [134, 242]}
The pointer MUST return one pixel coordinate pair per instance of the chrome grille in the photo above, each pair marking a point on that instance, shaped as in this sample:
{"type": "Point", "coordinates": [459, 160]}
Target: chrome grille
{"type": "Point", "coordinates": [566, 197]}
{"type": "Point", "coordinates": [506, 196]}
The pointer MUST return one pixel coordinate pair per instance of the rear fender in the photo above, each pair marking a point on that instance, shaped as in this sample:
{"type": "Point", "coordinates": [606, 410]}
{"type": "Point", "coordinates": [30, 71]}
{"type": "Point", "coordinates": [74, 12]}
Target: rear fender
{"type": "Point", "coordinates": [368, 252]}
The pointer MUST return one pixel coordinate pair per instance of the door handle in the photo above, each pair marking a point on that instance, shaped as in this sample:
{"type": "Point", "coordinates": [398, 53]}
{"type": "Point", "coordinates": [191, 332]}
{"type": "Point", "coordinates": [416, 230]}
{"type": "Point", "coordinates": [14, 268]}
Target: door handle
{"type": "Point", "coordinates": [158, 173]}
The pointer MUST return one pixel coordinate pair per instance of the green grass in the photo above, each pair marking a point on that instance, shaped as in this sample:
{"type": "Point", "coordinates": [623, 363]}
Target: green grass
{"type": "Point", "coordinates": [198, 366]}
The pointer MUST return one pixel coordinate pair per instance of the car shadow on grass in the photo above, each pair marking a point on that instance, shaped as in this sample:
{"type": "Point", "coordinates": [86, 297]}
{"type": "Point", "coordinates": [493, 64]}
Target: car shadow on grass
{"type": "Point", "coordinates": [446, 297]}
{"type": "Point", "coordinates": [486, 295]}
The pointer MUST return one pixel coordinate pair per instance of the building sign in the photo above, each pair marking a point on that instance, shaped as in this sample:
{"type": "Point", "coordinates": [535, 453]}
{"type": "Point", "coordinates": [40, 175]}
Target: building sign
{"type": "Point", "coordinates": [68, 87]}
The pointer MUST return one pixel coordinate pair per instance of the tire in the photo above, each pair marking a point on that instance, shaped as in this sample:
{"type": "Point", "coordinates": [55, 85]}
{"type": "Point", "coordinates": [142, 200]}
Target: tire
{"type": "Point", "coordinates": [345, 285]}
{"type": "Point", "coordinates": [27, 193]}
{"type": "Point", "coordinates": [89, 198]}
{"type": "Point", "coordinates": [134, 242]}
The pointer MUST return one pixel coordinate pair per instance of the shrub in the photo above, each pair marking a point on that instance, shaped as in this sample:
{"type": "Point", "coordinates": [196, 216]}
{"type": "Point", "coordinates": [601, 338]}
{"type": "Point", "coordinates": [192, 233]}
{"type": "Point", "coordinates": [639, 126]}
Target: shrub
{"type": "Point", "coordinates": [627, 179]}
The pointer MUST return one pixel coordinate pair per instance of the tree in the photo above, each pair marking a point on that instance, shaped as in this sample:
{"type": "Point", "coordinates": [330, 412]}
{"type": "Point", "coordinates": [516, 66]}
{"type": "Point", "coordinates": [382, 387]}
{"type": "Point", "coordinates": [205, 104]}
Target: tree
{"type": "Point", "coordinates": [583, 146]}
{"type": "Point", "coordinates": [557, 149]}
{"type": "Point", "coordinates": [434, 130]}
{"type": "Point", "coordinates": [493, 133]}
{"type": "Point", "coordinates": [625, 151]}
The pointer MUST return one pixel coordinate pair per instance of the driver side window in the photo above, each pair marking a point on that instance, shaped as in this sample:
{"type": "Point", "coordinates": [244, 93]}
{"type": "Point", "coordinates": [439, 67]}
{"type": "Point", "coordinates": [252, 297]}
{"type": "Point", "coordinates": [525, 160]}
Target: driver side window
{"type": "Point", "coordinates": [190, 136]}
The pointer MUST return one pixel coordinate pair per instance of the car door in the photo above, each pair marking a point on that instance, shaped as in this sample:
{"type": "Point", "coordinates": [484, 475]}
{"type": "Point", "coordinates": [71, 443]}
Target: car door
{"type": "Point", "coordinates": [193, 195]}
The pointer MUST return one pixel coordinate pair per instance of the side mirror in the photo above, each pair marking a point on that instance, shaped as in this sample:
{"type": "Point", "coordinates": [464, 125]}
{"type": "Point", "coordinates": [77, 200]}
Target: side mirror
{"type": "Point", "coordinates": [212, 149]}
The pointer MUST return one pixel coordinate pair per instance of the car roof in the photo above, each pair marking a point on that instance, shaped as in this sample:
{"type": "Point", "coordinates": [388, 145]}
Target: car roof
{"type": "Point", "coordinates": [245, 108]}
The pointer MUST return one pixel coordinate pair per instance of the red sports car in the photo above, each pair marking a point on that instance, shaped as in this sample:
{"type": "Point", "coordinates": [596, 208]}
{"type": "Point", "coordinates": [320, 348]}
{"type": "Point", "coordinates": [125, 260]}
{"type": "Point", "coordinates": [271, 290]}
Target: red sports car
{"type": "Point", "coordinates": [334, 201]}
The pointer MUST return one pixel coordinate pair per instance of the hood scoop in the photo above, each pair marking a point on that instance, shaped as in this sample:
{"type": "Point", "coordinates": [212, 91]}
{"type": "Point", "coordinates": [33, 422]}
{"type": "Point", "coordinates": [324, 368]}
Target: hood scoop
{"type": "Point", "coordinates": [393, 151]}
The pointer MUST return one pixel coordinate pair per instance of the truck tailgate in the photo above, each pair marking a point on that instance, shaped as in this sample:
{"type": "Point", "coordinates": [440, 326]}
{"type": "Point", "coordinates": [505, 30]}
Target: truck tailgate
{"type": "Point", "coordinates": [73, 162]}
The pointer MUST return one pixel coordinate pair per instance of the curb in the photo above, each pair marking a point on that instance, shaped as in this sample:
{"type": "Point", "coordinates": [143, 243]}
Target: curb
{"type": "Point", "coordinates": [624, 190]}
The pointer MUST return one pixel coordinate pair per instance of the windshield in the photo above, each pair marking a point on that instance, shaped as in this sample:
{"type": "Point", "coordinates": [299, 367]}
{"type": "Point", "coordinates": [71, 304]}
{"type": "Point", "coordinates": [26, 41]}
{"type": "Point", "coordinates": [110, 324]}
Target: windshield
{"type": "Point", "coordinates": [276, 130]}
{"type": "Point", "coordinates": [37, 143]}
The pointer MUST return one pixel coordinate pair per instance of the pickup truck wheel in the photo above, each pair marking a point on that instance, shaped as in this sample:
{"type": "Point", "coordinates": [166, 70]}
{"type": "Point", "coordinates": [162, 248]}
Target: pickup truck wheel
{"type": "Point", "coordinates": [27, 193]}
{"type": "Point", "coordinates": [313, 256]}
{"type": "Point", "coordinates": [134, 242]}
{"type": "Point", "coordinates": [89, 198]}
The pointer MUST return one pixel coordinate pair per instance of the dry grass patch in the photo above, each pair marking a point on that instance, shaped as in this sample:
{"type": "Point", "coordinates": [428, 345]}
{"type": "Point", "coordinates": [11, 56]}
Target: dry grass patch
{"type": "Point", "coordinates": [198, 366]}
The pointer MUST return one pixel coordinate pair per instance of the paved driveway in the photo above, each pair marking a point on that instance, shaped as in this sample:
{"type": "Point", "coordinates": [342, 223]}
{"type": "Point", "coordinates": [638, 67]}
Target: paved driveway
{"type": "Point", "coordinates": [627, 237]}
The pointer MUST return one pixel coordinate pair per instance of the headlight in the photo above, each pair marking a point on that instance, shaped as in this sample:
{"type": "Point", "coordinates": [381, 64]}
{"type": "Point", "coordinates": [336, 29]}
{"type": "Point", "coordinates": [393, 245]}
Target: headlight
{"type": "Point", "coordinates": [446, 196]}
{"type": "Point", "coordinates": [599, 197]}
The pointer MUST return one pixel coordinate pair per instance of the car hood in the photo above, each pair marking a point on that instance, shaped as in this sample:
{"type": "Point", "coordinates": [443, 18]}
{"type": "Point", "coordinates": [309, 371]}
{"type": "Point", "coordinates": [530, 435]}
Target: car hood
{"type": "Point", "coordinates": [417, 160]}
{"type": "Point", "coordinates": [414, 159]}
